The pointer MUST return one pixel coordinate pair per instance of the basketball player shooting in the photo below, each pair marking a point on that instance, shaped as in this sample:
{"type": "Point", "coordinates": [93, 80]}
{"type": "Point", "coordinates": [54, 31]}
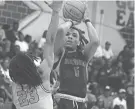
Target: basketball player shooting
{"type": "Point", "coordinates": [73, 63]}
{"type": "Point", "coordinates": [31, 85]}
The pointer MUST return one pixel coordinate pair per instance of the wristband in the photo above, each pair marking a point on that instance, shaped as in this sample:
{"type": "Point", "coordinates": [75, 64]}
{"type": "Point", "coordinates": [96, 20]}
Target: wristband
{"type": "Point", "coordinates": [87, 20]}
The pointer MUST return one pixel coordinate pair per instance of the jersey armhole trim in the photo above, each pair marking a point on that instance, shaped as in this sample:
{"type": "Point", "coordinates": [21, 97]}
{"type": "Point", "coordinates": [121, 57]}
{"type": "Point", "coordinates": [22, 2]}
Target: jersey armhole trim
{"type": "Point", "coordinates": [47, 91]}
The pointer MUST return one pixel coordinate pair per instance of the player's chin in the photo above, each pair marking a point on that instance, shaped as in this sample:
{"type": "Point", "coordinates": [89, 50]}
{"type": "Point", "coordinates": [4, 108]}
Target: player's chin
{"type": "Point", "coordinates": [68, 46]}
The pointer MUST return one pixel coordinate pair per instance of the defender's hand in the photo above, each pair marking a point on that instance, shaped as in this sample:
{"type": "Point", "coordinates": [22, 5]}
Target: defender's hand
{"type": "Point", "coordinates": [86, 14]}
{"type": "Point", "coordinates": [55, 5]}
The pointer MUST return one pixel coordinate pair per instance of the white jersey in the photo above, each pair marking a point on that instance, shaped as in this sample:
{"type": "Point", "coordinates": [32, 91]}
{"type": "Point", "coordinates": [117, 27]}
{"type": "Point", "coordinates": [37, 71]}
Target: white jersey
{"type": "Point", "coordinates": [34, 98]}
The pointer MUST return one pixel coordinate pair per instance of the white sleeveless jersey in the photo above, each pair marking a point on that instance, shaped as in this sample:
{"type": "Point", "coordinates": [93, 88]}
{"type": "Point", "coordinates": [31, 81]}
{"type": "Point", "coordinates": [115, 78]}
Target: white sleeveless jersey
{"type": "Point", "coordinates": [34, 98]}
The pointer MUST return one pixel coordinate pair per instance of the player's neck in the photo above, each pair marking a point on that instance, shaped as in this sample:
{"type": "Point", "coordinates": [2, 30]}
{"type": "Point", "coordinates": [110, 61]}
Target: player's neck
{"type": "Point", "coordinates": [70, 50]}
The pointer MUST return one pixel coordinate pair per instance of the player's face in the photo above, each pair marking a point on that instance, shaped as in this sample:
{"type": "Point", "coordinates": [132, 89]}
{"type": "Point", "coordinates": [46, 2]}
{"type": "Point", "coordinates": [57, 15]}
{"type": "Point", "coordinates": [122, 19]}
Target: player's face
{"type": "Point", "coordinates": [72, 39]}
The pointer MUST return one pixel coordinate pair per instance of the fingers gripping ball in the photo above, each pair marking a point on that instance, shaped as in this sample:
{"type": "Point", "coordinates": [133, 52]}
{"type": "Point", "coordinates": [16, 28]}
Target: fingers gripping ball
{"type": "Point", "coordinates": [74, 10]}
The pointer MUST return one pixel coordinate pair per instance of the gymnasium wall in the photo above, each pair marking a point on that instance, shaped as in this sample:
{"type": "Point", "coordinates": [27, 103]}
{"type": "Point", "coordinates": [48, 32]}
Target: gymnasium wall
{"type": "Point", "coordinates": [12, 10]}
{"type": "Point", "coordinates": [117, 23]}
{"type": "Point", "coordinates": [114, 23]}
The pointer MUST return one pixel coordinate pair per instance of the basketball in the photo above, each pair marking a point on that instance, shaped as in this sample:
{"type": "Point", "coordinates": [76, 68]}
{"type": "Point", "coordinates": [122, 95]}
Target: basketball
{"type": "Point", "coordinates": [74, 10]}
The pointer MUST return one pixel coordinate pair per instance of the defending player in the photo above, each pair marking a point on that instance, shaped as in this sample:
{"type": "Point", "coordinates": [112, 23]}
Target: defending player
{"type": "Point", "coordinates": [31, 86]}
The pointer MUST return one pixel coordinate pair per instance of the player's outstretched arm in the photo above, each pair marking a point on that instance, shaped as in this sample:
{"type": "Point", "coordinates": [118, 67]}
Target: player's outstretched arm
{"type": "Point", "coordinates": [48, 48]}
{"type": "Point", "coordinates": [52, 29]}
{"type": "Point", "coordinates": [91, 47]}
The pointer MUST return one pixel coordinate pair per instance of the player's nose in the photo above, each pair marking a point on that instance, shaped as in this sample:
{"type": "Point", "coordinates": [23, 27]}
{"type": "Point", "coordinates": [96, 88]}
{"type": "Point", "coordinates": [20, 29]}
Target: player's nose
{"type": "Point", "coordinates": [70, 37]}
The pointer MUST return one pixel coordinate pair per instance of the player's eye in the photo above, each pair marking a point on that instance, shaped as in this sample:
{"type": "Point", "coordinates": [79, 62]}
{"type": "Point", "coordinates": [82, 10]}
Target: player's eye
{"type": "Point", "coordinates": [74, 35]}
{"type": "Point", "coordinates": [67, 34]}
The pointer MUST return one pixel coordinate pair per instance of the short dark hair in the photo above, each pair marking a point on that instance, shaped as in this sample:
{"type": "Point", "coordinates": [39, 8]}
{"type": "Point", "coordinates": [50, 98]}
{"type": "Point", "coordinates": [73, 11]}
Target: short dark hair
{"type": "Point", "coordinates": [28, 38]}
{"type": "Point", "coordinates": [23, 70]}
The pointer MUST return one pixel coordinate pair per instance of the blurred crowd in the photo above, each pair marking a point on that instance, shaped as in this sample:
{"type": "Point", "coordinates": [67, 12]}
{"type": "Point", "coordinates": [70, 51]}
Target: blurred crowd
{"type": "Point", "coordinates": [110, 77]}
{"type": "Point", "coordinates": [13, 42]}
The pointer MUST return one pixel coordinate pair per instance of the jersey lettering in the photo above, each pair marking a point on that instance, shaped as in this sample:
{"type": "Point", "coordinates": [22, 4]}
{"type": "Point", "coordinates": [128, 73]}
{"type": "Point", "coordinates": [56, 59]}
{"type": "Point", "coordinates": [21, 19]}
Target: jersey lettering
{"type": "Point", "coordinates": [22, 98]}
{"type": "Point", "coordinates": [27, 97]}
{"type": "Point", "coordinates": [75, 62]}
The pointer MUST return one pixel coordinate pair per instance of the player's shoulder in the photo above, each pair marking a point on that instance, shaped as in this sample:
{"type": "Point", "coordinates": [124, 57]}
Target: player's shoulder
{"type": "Point", "coordinates": [12, 83]}
{"type": "Point", "coordinates": [44, 65]}
{"type": "Point", "coordinates": [15, 86]}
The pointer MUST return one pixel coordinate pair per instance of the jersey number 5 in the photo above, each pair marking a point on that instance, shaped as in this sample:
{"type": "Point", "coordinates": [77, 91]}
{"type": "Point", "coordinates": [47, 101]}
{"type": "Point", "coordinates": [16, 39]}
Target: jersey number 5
{"type": "Point", "coordinates": [23, 97]}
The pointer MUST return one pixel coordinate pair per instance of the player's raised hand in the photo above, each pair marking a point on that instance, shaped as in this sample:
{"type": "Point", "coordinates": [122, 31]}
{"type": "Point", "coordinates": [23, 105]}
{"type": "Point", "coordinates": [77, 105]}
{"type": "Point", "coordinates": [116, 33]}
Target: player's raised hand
{"type": "Point", "coordinates": [55, 5]}
{"type": "Point", "coordinates": [86, 14]}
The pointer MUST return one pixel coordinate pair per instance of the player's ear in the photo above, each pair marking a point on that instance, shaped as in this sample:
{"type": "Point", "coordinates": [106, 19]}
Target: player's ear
{"type": "Point", "coordinates": [78, 43]}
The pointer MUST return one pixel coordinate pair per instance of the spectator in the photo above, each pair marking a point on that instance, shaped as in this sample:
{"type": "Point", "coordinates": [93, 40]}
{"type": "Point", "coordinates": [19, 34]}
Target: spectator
{"type": "Point", "coordinates": [94, 106]}
{"type": "Point", "coordinates": [12, 35]}
{"type": "Point", "coordinates": [108, 66]}
{"type": "Point", "coordinates": [107, 52]}
{"type": "Point", "coordinates": [102, 78]}
{"type": "Point", "coordinates": [120, 100]}
{"type": "Point", "coordinates": [42, 40]}
{"type": "Point", "coordinates": [21, 43]}
{"type": "Point", "coordinates": [4, 67]}
{"type": "Point", "coordinates": [6, 46]}
{"type": "Point", "coordinates": [16, 50]}
{"type": "Point", "coordinates": [37, 53]}
{"type": "Point", "coordinates": [90, 98]}
{"type": "Point", "coordinates": [1, 53]}
{"type": "Point", "coordinates": [107, 98]}
{"type": "Point", "coordinates": [117, 76]}
{"type": "Point", "coordinates": [2, 33]}
{"type": "Point", "coordinates": [33, 45]}
{"type": "Point", "coordinates": [94, 87]}
{"type": "Point", "coordinates": [130, 90]}
{"type": "Point", "coordinates": [97, 64]}
{"type": "Point", "coordinates": [99, 52]}
{"type": "Point", "coordinates": [99, 104]}
{"type": "Point", "coordinates": [28, 39]}
{"type": "Point", "coordinates": [3, 97]}
{"type": "Point", "coordinates": [123, 55]}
